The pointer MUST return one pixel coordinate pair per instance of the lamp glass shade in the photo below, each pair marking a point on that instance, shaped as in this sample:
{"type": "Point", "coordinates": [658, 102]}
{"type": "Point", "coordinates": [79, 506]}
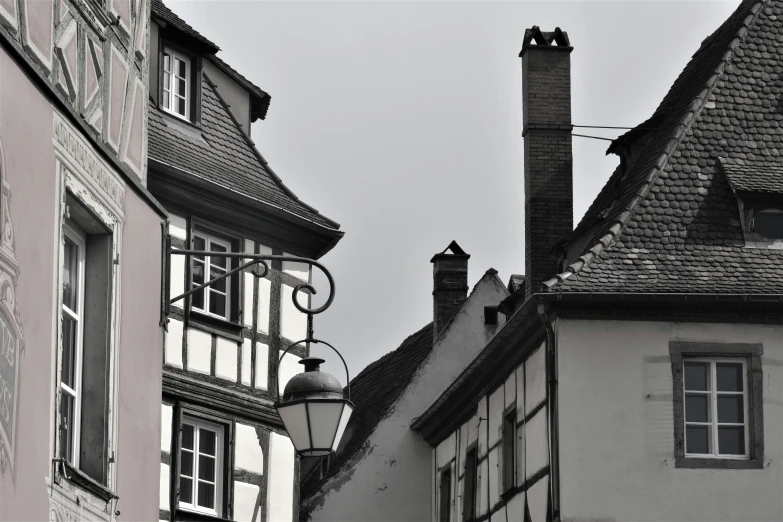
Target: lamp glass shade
{"type": "Point", "coordinates": [294, 417]}
{"type": "Point", "coordinates": [324, 419]}
{"type": "Point", "coordinates": [346, 414]}
{"type": "Point", "coordinates": [315, 426]}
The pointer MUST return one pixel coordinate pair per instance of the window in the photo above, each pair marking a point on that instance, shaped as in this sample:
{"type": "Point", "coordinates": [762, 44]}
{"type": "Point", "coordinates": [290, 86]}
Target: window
{"type": "Point", "coordinates": [201, 465]}
{"type": "Point", "coordinates": [72, 338]}
{"type": "Point", "coordinates": [509, 448]}
{"type": "Point", "coordinates": [216, 299]}
{"type": "Point", "coordinates": [445, 495]}
{"type": "Point", "coordinates": [768, 223]}
{"type": "Point", "coordinates": [715, 408]}
{"type": "Point", "coordinates": [176, 83]}
{"type": "Point", "coordinates": [85, 342]}
{"type": "Point", "coordinates": [717, 401]}
{"type": "Point", "coordinates": [471, 480]}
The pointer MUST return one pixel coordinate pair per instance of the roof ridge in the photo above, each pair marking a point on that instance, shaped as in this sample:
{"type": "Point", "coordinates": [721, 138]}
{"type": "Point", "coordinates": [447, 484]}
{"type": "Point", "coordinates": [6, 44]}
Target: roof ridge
{"type": "Point", "coordinates": [686, 122]}
{"type": "Point", "coordinates": [264, 164]}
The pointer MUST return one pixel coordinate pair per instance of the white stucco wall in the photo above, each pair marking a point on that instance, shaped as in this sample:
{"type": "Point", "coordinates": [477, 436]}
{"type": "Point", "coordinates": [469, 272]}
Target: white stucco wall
{"type": "Point", "coordinates": [616, 427]}
{"type": "Point", "coordinates": [391, 479]}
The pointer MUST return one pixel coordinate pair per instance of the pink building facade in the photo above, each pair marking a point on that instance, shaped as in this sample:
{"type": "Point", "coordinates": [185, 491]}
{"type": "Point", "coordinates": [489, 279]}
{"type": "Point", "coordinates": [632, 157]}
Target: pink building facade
{"type": "Point", "coordinates": [80, 325]}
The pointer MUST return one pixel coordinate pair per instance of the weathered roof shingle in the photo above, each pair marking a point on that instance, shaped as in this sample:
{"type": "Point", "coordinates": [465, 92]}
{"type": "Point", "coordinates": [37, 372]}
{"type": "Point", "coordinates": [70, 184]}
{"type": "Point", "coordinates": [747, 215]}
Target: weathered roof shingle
{"type": "Point", "coordinates": [670, 223]}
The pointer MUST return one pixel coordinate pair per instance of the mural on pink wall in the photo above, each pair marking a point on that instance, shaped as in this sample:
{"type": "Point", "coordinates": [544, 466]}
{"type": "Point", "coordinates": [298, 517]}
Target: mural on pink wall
{"type": "Point", "coordinates": [11, 333]}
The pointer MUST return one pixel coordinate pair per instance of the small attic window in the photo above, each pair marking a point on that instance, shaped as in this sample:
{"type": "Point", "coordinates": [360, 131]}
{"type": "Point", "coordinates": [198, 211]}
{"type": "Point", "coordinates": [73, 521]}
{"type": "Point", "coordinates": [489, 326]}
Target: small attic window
{"type": "Point", "coordinates": [768, 223]}
{"type": "Point", "coordinates": [177, 80]}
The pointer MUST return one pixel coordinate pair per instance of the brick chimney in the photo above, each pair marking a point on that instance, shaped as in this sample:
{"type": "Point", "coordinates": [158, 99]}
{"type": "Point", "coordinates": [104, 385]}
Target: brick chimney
{"type": "Point", "coordinates": [546, 129]}
{"type": "Point", "coordinates": [450, 284]}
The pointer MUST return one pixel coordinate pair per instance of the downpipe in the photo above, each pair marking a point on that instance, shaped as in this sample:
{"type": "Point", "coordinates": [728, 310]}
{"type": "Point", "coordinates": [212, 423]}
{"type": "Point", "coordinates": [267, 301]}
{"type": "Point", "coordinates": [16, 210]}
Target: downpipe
{"type": "Point", "coordinates": [552, 411]}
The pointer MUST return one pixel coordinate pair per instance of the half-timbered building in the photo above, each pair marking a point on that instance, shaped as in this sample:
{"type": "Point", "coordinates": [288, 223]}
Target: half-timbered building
{"type": "Point", "coordinates": [223, 451]}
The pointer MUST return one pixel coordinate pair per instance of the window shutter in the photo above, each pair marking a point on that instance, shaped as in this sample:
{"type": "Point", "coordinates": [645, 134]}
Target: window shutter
{"type": "Point", "coordinates": [94, 444]}
{"type": "Point", "coordinates": [175, 459]}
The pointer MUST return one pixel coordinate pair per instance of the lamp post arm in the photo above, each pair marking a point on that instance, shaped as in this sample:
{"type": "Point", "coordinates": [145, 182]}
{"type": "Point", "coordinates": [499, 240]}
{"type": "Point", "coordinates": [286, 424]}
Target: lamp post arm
{"type": "Point", "coordinates": [262, 260]}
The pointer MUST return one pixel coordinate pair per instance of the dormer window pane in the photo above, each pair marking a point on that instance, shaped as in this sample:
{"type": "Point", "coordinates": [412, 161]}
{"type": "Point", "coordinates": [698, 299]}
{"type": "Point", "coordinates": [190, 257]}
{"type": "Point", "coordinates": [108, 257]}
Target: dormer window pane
{"type": "Point", "coordinates": [176, 84]}
{"type": "Point", "coordinates": [768, 223]}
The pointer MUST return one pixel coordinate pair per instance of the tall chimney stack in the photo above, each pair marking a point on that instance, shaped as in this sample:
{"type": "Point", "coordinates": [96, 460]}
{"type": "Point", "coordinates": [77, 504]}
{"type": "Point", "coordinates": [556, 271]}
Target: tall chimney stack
{"type": "Point", "coordinates": [546, 129]}
{"type": "Point", "coordinates": [450, 284]}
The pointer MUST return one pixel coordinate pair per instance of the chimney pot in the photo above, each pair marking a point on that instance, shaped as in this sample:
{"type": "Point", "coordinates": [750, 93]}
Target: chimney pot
{"type": "Point", "coordinates": [450, 284]}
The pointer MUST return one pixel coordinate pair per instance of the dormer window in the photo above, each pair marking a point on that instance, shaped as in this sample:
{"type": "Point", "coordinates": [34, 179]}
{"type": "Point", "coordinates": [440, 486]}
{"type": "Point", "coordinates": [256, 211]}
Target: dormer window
{"type": "Point", "coordinates": [177, 79]}
{"type": "Point", "coordinates": [768, 223]}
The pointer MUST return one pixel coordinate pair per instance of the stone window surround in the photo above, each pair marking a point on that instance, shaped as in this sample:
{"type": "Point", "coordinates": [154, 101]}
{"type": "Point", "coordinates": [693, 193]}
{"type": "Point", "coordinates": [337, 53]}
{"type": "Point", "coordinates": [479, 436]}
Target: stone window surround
{"type": "Point", "coordinates": [752, 353]}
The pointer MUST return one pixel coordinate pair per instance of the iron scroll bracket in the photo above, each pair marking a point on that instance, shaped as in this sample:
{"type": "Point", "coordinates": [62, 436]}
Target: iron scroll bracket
{"type": "Point", "coordinates": [259, 264]}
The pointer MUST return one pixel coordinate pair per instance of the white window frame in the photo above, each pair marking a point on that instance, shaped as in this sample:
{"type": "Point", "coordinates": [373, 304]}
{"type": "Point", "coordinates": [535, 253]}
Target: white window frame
{"type": "Point", "coordinates": [78, 238]}
{"type": "Point", "coordinates": [713, 393]}
{"type": "Point", "coordinates": [219, 430]}
{"type": "Point", "coordinates": [206, 292]}
{"type": "Point", "coordinates": [168, 87]}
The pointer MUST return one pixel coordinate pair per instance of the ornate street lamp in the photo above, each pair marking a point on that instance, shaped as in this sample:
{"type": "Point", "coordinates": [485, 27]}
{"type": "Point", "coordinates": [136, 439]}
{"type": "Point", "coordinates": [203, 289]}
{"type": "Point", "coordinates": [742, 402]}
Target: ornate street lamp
{"type": "Point", "coordinates": [314, 409]}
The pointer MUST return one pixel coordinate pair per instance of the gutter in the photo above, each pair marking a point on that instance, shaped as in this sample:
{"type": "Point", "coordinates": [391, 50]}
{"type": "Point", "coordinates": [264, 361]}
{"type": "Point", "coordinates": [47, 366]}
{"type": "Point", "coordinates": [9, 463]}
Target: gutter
{"type": "Point", "coordinates": [235, 195]}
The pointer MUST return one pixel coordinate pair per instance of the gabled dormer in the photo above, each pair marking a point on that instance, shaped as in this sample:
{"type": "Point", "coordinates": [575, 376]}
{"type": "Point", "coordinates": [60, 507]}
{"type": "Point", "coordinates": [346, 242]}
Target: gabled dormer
{"type": "Point", "coordinates": [759, 191]}
{"type": "Point", "coordinates": [182, 60]}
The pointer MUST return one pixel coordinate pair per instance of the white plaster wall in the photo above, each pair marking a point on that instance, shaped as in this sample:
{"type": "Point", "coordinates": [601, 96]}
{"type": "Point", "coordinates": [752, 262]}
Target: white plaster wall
{"type": "Point", "coordinates": [166, 417]}
{"type": "Point", "coordinates": [247, 361]}
{"type": "Point", "coordinates": [245, 497]}
{"type": "Point", "coordinates": [174, 343]}
{"type": "Point", "coordinates": [293, 323]}
{"type": "Point", "coordinates": [392, 481]}
{"type": "Point", "coordinates": [163, 502]}
{"type": "Point", "coordinates": [280, 490]}
{"type": "Point", "coordinates": [248, 455]}
{"type": "Point", "coordinates": [298, 270]}
{"type": "Point", "coordinates": [199, 351]}
{"type": "Point", "coordinates": [616, 423]}
{"type": "Point", "coordinates": [178, 227]}
{"type": "Point", "coordinates": [226, 359]}
{"type": "Point", "coordinates": [264, 293]}
{"type": "Point", "coordinates": [262, 365]}
{"type": "Point", "coordinates": [177, 278]}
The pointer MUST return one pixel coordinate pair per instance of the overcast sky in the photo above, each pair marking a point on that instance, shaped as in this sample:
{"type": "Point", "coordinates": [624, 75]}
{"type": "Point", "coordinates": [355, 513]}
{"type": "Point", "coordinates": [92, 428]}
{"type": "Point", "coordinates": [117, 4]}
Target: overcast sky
{"type": "Point", "coordinates": [402, 122]}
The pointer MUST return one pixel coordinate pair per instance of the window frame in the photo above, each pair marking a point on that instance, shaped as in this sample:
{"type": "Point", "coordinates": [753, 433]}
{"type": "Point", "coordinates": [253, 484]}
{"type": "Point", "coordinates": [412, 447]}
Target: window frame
{"type": "Point", "coordinates": [189, 75]}
{"type": "Point", "coordinates": [79, 239]}
{"type": "Point", "coordinates": [509, 449]}
{"type": "Point", "coordinates": [445, 488]}
{"type": "Point", "coordinates": [220, 459]}
{"type": "Point", "coordinates": [469, 508]}
{"type": "Point", "coordinates": [208, 239]}
{"type": "Point", "coordinates": [713, 393]}
{"type": "Point", "coordinates": [750, 355]}
{"type": "Point", "coordinates": [183, 411]}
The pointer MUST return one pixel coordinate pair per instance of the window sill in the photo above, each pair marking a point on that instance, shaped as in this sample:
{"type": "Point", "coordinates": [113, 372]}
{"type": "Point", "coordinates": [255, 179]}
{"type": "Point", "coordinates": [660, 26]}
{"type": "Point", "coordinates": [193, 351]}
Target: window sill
{"type": "Point", "coordinates": [77, 477]}
{"type": "Point", "coordinates": [707, 463]}
{"type": "Point", "coordinates": [216, 326]}
{"type": "Point", "coordinates": [187, 514]}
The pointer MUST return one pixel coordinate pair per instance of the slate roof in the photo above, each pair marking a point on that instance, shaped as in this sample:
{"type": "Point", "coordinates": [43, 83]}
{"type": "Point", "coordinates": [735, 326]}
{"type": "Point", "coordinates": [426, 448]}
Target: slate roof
{"type": "Point", "coordinates": [670, 223]}
{"type": "Point", "coordinates": [160, 10]}
{"type": "Point", "coordinates": [374, 392]}
{"type": "Point", "coordinates": [751, 177]}
{"type": "Point", "coordinates": [226, 156]}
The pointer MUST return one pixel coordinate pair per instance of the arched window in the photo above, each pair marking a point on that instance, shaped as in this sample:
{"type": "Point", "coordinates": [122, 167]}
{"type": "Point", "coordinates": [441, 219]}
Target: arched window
{"type": "Point", "coordinates": [768, 222]}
